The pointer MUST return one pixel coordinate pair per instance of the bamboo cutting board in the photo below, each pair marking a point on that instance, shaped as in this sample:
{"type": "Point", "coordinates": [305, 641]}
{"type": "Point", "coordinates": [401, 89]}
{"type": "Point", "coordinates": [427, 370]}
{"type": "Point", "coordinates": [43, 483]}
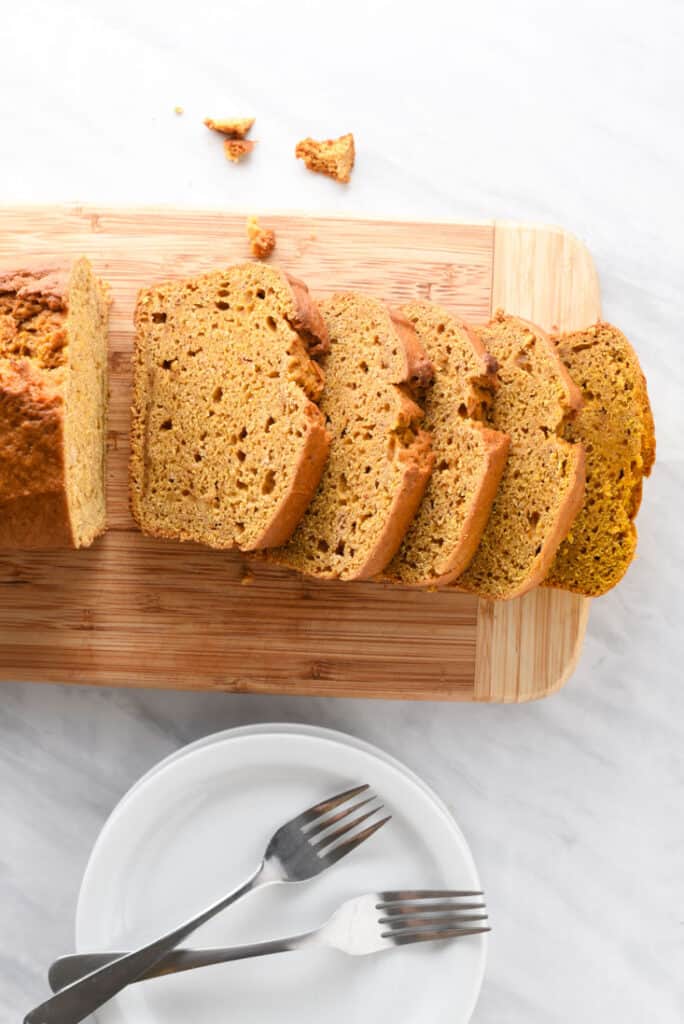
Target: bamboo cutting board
{"type": "Point", "coordinates": [134, 611]}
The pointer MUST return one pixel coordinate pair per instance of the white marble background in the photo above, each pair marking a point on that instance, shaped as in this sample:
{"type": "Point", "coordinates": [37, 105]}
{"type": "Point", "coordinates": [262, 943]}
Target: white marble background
{"type": "Point", "coordinates": [542, 111]}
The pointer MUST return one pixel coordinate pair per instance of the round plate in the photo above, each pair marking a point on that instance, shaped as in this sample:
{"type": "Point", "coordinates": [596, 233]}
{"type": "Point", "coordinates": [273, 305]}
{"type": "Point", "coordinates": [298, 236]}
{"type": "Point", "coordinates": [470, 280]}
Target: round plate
{"type": "Point", "coordinates": [198, 823]}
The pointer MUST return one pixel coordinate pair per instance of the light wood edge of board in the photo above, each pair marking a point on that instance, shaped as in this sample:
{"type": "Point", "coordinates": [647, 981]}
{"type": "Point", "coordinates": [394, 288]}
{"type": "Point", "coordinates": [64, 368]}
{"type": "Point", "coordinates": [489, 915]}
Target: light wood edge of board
{"type": "Point", "coordinates": [514, 659]}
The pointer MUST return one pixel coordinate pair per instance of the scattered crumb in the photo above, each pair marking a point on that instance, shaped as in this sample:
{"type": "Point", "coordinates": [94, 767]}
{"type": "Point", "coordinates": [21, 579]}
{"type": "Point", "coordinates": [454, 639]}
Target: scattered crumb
{"type": "Point", "coordinates": [247, 578]}
{"type": "Point", "coordinates": [261, 240]}
{"type": "Point", "coordinates": [235, 149]}
{"type": "Point", "coordinates": [313, 236]}
{"type": "Point", "coordinates": [334, 157]}
{"type": "Point", "coordinates": [233, 127]}
{"type": "Point", "coordinates": [178, 110]}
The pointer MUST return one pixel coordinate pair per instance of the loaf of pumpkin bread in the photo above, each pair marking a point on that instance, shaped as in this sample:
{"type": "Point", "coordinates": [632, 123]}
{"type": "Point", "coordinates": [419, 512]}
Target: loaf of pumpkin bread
{"type": "Point", "coordinates": [53, 406]}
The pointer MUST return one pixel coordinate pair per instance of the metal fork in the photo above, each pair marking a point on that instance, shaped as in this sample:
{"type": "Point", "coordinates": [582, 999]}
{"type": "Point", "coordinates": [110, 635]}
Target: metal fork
{"type": "Point", "coordinates": [299, 850]}
{"type": "Point", "coordinates": [366, 924]}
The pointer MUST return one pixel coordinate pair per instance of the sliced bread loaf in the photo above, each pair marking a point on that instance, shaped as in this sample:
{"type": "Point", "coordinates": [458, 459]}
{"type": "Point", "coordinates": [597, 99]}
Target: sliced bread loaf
{"type": "Point", "coordinates": [615, 427]}
{"type": "Point", "coordinates": [53, 406]}
{"type": "Point", "coordinates": [542, 485]}
{"type": "Point", "coordinates": [380, 459]}
{"type": "Point", "coordinates": [469, 457]}
{"type": "Point", "coordinates": [227, 443]}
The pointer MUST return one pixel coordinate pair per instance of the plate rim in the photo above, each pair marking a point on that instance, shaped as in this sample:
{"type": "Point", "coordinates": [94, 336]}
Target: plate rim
{"type": "Point", "coordinates": [297, 729]}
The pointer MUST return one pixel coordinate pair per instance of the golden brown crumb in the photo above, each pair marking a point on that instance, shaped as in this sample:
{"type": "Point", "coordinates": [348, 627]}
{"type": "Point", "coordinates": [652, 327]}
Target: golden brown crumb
{"type": "Point", "coordinates": [235, 149]}
{"type": "Point", "coordinates": [233, 127]}
{"type": "Point", "coordinates": [178, 110]}
{"type": "Point", "coordinates": [262, 240]}
{"type": "Point", "coordinates": [247, 578]}
{"type": "Point", "coordinates": [334, 157]}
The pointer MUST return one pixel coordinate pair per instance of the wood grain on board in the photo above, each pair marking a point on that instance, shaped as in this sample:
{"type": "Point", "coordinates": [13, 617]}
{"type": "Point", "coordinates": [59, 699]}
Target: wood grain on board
{"type": "Point", "coordinates": [135, 611]}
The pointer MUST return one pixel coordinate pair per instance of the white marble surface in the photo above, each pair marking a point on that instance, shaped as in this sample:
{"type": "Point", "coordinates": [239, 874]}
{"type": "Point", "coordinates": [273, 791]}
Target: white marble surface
{"type": "Point", "coordinates": [540, 111]}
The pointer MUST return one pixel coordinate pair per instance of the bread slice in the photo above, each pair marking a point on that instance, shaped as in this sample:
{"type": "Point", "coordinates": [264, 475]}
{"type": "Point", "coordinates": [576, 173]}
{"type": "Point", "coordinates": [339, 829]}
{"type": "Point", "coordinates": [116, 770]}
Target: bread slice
{"type": "Point", "coordinates": [380, 459]}
{"type": "Point", "coordinates": [227, 443]}
{"type": "Point", "coordinates": [53, 406]}
{"type": "Point", "coordinates": [615, 426]}
{"type": "Point", "coordinates": [542, 486]}
{"type": "Point", "coordinates": [469, 457]}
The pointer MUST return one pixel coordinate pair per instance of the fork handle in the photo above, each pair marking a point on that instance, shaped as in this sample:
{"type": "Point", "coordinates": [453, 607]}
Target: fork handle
{"type": "Point", "coordinates": [70, 968]}
{"type": "Point", "coordinates": [84, 996]}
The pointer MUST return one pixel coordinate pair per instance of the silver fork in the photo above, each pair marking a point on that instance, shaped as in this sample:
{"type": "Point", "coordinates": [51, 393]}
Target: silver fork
{"type": "Point", "coordinates": [299, 850]}
{"type": "Point", "coordinates": [366, 924]}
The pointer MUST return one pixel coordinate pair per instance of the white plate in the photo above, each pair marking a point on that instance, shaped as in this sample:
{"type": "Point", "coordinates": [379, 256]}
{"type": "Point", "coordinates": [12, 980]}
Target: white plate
{"type": "Point", "coordinates": [196, 824]}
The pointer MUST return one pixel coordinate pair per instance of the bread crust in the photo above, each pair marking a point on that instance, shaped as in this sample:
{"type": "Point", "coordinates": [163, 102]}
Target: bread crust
{"type": "Point", "coordinates": [34, 511]}
{"type": "Point", "coordinates": [307, 320]}
{"type": "Point", "coordinates": [419, 370]}
{"type": "Point", "coordinates": [36, 279]}
{"type": "Point", "coordinates": [36, 522]}
{"type": "Point", "coordinates": [34, 495]}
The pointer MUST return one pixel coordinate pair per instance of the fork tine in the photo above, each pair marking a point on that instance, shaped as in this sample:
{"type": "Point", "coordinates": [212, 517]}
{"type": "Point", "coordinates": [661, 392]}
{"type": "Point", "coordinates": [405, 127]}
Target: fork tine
{"type": "Point", "coordinates": [328, 840]}
{"type": "Point", "coordinates": [404, 895]}
{"type": "Point", "coordinates": [417, 924]}
{"type": "Point", "coordinates": [327, 805]}
{"type": "Point", "coordinates": [323, 821]}
{"type": "Point", "coordinates": [426, 909]}
{"type": "Point", "coordinates": [449, 933]}
{"type": "Point", "coordinates": [345, 847]}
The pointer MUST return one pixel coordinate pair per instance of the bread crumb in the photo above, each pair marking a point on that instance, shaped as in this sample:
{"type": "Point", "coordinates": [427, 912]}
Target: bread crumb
{"type": "Point", "coordinates": [235, 149]}
{"type": "Point", "coordinates": [313, 236]}
{"type": "Point", "coordinates": [233, 127]}
{"type": "Point", "coordinates": [262, 240]}
{"type": "Point", "coordinates": [334, 157]}
{"type": "Point", "coordinates": [178, 110]}
{"type": "Point", "coordinates": [247, 578]}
